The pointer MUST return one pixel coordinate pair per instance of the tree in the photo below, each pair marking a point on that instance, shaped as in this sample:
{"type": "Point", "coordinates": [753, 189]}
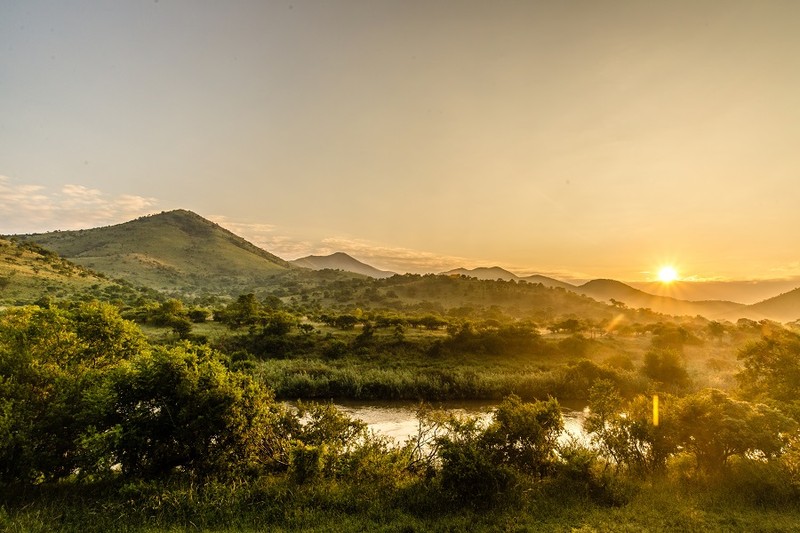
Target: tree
{"type": "Point", "coordinates": [180, 408]}
{"type": "Point", "coordinates": [480, 465]}
{"type": "Point", "coordinates": [625, 433]}
{"type": "Point", "coordinates": [525, 434]}
{"type": "Point", "coordinates": [716, 329]}
{"type": "Point", "coordinates": [245, 311]}
{"type": "Point", "coordinates": [306, 329]}
{"type": "Point", "coordinates": [714, 427]}
{"type": "Point", "coordinates": [772, 368]}
{"type": "Point", "coordinates": [666, 366]}
{"type": "Point", "coordinates": [54, 364]}
{"type": "Point", "coordinates": [570, 325]}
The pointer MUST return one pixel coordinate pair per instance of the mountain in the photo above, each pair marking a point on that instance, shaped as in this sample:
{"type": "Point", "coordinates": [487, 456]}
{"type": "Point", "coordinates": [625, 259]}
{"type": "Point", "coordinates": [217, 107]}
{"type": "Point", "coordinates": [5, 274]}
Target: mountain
{"type": "Point", "coordinates": [340, 261]}
{"type": "Point", "coordinates": [746, 292]}
{"type": "Point", "coordinates": [174, 250]}
{"type": "Point", "coordinates": [607, 289]}
{"type": "Point", "coordinates": [29, 273]}
{"type": "Point", "coordinates": [549, 282]}
{"type": "Point", "coordinates": [494, 273]}
{"type": "Point", "coordinates": [783, 308]}
{"type": "Point", "coordinates": [468, 296]}
{"type": "Point", "coordinates": [484, 273]}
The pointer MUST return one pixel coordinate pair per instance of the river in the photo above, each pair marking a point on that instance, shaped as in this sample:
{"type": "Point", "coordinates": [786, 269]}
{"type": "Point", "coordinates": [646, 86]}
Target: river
{"type": "Point", "coordinates": [398, 419]}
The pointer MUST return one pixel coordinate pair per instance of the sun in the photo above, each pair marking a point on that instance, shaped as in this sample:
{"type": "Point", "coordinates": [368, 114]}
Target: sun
{"type": "Point", "coordinates": [667, 274]}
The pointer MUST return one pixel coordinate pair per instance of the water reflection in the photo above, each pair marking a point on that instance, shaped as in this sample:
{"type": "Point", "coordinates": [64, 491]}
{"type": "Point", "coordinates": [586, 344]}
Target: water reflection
{"type": "Point", "coordinates": [398, 419]}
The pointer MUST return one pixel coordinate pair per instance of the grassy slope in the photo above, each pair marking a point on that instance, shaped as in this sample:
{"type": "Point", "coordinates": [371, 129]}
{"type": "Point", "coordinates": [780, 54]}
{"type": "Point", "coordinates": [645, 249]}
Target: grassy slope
{"type": "Point", "coordinates": [519, 300]}
{"type": "Point", "coordinates": [28, 273]}
{"type": "Point", "coordinates": [785, 307]}
{"type": "Point", "coordinates": [176, 250]}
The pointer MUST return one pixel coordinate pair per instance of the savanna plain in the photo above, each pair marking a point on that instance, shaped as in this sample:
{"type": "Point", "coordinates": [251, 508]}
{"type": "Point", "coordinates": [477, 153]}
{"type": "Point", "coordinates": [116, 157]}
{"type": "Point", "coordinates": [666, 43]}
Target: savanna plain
{"type": "Point", "coordinates": [161, 387]}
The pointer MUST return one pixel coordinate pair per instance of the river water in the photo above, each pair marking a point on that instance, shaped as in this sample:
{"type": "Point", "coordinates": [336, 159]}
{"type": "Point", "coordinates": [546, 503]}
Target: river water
{"type": "Point", "coordinates": [398, 419]}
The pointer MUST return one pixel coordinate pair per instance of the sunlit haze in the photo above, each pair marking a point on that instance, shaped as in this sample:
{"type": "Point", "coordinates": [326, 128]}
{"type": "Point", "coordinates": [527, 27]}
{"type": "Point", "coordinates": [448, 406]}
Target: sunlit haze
{"type": "Point", "coordinates": [572, 139]}
{"type": "Point", "coordinates": [667, 274]}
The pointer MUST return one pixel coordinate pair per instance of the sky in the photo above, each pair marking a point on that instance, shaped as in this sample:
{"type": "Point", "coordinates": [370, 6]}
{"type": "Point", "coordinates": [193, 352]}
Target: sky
{"type": "Point", "coordinates": [577, 139]}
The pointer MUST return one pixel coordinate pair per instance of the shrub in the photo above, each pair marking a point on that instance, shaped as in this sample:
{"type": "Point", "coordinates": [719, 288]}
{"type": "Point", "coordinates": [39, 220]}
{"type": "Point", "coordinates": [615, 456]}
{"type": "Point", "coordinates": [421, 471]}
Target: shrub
{"type": "Point", "coordinates": [180, 408]}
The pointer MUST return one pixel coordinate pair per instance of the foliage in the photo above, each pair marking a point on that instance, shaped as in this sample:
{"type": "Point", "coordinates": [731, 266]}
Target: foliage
{"type": "Point", "coordinates": [709, 425]}
{"type": "Point", "coordinates": [81, 391]}
{"type": "Point", "coordinates": [180, 408]}
{"type": "Point", "coordinates": [625, 433]}
{"type": "Point", "coordinates": [481, 464]}
{"type": "Point", "coordinates": [525, 435]}
{"type": "Point", "coordinates": [666, 367]}
{"type": "Point", "coordinates": [772, 367]}
{"type": "Point", "coordinates": [329, 444]}
{"type": "Point", "coordinates": [714, 427]}
{"type": "Point", "coordinates": [490, 339]}
{"type": "Point", "coordinates": [53, 366]}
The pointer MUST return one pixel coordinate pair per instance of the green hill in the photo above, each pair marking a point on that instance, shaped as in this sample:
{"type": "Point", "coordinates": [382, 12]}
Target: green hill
{"type": "Point", "coordinates": [29, 273]}
{"type": "Point", "coordinates": [471, 298]}
{"type": "Point", "coordinates": [172, 251]}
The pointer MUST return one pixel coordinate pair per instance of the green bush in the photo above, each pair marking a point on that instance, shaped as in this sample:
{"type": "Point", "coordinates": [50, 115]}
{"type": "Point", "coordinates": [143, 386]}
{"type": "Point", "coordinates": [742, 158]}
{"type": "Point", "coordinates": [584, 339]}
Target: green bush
{"type": "Point", "coordinates": [54, 364]}
{"type": "Point", "coordinates": [471, 473]}
{"type": "Point", "coordinates": [180, 408]}
{"type": "Point", "coordinates": [581, 470]}
{"type": "Point", "coordinates": [306, 462]}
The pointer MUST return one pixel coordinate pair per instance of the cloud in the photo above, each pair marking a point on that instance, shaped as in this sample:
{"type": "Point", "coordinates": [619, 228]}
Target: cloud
{"type": "Point", "coordinates": [281, 243]}
{"type": "Point", "coordinates": [265, 236]}
{"type": "Point", "coordinates": [27, 208]}
{"type": "Point", "coordinates": [31, 208]}
{"type": "Point", "coordinates": [397, 259]}
{"type": "Point", "coordinates": [393, 258]}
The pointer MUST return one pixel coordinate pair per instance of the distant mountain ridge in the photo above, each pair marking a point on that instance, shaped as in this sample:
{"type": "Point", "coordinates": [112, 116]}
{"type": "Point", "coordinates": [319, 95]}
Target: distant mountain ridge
{"type": "Point", "coordinates": [494, 273]}
{"type": "Point", "coordinates": [183, 252]}
{"type": "Point", "coordinates": [608, 289]}
{"type": "Point", "coordinates": [340, 261]}
{"type": "Point", "coordinates": [745, 292]}
{"type": "Point", "coordinates": [784, 307]}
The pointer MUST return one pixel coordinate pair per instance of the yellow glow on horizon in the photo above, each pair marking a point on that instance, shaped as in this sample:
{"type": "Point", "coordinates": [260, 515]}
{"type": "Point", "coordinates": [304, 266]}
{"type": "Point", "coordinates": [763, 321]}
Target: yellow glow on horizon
{"type": "Point", "coordinates": [667, 274]}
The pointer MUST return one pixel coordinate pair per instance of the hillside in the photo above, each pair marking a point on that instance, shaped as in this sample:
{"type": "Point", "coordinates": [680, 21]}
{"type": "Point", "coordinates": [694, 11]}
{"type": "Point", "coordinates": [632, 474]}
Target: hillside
{"type": "Point", "coordinates": [783, 308]}
{"type": "Point", "coordinates": [549, 282]}
{"type": "Point", "coordinates": [746, 292]}
{"type": "Point", "coordinates": [340, 261]}
{"type": "Point", "coordinates": [176, 250]}
{"type": "Point", "coordinates": [607, 289]}
{"type": "Point", "coordinates": [468, 297]}
{"type": "Point", "coordinates": [29, 273]}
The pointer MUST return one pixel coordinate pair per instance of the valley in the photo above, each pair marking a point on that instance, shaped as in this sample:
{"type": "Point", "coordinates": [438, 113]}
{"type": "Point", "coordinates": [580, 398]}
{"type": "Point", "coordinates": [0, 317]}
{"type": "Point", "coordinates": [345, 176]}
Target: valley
{"type": "Point", "coordinates": [175, 312]}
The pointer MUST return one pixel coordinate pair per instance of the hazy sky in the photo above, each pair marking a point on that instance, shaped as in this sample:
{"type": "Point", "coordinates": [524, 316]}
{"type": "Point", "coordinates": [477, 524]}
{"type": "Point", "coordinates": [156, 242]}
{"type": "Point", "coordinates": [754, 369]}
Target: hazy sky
{"type": "Point", "coordinates": [572, 138]}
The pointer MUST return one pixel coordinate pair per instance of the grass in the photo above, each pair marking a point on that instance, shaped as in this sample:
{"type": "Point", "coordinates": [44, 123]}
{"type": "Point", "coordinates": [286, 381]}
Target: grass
{"type": "Point", "coordinates": [28, 273]}
{"type": "Point", "coordinates": [275, 504]}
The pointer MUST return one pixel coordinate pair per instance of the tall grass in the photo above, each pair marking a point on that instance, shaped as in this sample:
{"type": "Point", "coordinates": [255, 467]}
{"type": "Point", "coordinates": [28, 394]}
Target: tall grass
{"type": "Point", "coordinates": [276, 504]}
{"type": "Point", "coordinates": [314, 378]}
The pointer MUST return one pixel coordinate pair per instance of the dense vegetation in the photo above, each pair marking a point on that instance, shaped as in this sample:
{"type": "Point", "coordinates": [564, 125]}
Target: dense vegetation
{"type": "Point", "coordinates": [173, 423]}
